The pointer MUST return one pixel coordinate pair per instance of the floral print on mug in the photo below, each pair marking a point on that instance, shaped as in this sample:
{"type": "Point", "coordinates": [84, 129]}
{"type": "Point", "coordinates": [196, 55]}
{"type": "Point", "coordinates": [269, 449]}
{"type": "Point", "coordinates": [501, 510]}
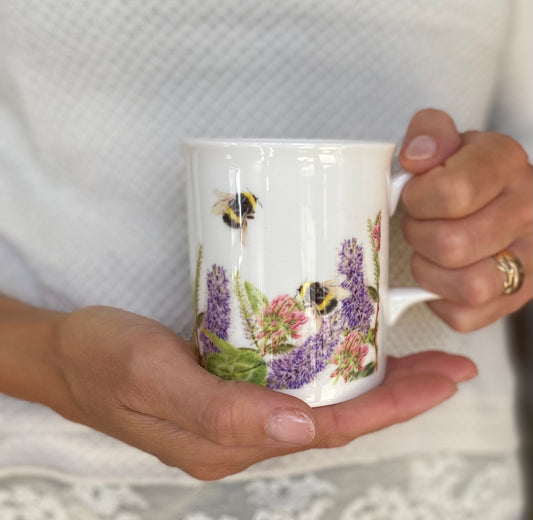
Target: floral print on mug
{"type": "Point", "coordinates": [294, 337]}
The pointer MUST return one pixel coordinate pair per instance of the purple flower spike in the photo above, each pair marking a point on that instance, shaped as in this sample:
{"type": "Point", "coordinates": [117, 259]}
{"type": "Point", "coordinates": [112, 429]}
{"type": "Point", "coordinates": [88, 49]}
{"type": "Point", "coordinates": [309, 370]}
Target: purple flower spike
{"type": "Point", "coordinates": [303, 363]}
{"type": "Point", "coordinates": [217, 314]}
{"type": "Point", "coordinates": [357, 309]}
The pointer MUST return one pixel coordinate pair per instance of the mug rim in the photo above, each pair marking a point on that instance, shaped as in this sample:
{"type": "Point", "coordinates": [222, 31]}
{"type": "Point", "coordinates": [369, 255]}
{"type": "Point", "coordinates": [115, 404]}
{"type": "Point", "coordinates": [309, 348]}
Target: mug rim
{"type": "Point", "coordinates": [284, 142]}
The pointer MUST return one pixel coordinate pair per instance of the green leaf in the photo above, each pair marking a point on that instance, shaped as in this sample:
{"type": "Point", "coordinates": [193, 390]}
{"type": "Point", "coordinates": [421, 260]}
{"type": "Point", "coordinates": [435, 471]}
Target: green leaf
{"type": "Point", "coordinates": [369, 226]}
{"type": "Point", "coordinates": [247, 316]}
{"type": "Point", "coordinates": [221, 344]}
{"type": "Point", "coordinates": [371, 337]}
{"type": "Point", "coordinates": [369, 369]}
{"type": "Point", "coordinates": [199, 319]}
{"type": "Point", "coordinates": [241, 364]}
{"type": "Point", "coordinates": [256, 298]}
{"type": "Point", "coordinates": [373, 292]}
{"type": "Point", "coordinates": [281, 349]}
{"type": "Point", "coordinates": [375, 258]}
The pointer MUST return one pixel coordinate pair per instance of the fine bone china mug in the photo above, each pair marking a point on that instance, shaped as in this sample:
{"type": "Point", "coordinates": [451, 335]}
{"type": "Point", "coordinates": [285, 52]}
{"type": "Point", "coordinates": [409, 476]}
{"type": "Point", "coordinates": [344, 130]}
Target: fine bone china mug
{"type": "Point", "coordinates": [289, 260]}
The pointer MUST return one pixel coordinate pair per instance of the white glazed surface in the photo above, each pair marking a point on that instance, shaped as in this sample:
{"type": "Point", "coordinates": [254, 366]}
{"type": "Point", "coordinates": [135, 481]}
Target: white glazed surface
{"type": "Point", "coordinates": [312, 197]}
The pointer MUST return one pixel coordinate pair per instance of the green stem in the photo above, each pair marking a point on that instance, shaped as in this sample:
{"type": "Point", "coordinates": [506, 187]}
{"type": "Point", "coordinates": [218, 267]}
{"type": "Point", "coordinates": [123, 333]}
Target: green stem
{"type": "Point", "coordinates": [246, 313]}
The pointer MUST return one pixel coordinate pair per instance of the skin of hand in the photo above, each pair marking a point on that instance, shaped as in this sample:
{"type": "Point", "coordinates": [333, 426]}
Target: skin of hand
{"type": "Point", "coordinates": [471, 197]}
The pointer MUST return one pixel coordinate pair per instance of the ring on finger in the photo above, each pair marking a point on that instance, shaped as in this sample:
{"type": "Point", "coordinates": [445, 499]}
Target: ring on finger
{"type": "Point", "coordinates": [509, 264]}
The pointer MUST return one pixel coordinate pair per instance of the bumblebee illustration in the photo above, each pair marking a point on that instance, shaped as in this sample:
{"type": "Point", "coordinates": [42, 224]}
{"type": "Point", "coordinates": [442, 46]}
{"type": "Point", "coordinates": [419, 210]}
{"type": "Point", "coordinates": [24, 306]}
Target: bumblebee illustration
{"type": "Point", "coordinates": [236, 210]}
{"type": "Point", "coordinates": [323, 298]}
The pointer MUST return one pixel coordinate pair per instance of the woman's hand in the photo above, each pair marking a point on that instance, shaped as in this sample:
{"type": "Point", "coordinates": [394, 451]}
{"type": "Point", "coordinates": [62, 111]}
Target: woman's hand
{"type": "Point", "coordinates": [472, 199]}
{"type": "Point", "coordinates": [132, 378]}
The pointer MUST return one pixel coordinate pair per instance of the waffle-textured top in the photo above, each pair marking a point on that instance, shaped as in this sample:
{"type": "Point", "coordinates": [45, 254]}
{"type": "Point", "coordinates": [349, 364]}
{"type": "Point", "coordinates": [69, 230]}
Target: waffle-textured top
{"type": "Point", "coordinates": [95, 98]}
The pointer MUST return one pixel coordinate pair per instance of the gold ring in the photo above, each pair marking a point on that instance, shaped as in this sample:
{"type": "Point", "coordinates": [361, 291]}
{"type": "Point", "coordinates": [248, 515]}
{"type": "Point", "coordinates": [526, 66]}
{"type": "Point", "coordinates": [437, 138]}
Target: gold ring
{"type": "Point", "coordinates": [511, 266]}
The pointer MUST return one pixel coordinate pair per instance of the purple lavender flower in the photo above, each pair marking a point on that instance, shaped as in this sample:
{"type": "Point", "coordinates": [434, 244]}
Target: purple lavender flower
{"type": "Point", "coordinates": [217, 314]}
{"type": "Point", "coordinates": [357, 309]}
{"type": "Point", "coordinates": [303, 363]}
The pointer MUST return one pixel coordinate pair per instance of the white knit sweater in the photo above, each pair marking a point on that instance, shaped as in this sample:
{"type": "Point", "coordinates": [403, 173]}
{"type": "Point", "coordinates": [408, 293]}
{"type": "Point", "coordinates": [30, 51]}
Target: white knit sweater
{"type": "Point", "coordinates": [94, 100]}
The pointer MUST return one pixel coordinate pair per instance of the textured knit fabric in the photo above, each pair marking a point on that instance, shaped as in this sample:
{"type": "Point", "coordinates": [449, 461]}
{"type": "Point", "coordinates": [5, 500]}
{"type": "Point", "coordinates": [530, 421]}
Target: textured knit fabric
{"type": "Point", "coordinates": [95, 98]}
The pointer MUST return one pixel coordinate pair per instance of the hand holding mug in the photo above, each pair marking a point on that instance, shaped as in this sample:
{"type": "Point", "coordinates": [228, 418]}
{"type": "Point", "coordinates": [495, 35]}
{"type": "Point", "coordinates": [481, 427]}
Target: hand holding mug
{"type": "Point", "coordinates": [134, 379]}
{"type": "Point", "coordinates": [470, 199]}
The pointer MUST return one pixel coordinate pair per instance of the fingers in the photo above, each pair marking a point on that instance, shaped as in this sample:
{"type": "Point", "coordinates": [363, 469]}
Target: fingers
{"type": "Point", "coordinates": [455, 367]}
{"type": "Point", "coordinates": [413, 385]}
{"type": "Point", "coordinates": [454, 243]}
{"type": "Point", "coordinates": [464, 318]}
{"type": "Point", "coordinates": [463, 210]}
{"type": "Point", "coordinates": [476, 284]}
{"type": "Point", "coordinates": [466, 275]}
{"type": "Point", "coordinates": [473, 296]}
{"type": "Point", "coordinates": [485, 165]}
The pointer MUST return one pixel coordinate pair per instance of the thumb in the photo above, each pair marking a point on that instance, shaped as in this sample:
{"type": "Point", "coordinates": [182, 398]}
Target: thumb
{"type": "Point", "coordinates": [430, 139]}
{"type": "Point", "coordinates": [244, 414]}
{"type": "Point", "coordinates": [230, 413]}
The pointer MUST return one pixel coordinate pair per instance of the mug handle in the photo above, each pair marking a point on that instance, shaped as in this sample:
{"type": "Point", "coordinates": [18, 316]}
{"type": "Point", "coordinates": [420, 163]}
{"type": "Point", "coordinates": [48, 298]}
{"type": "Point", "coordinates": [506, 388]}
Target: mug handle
{"type": "Point", "coordinates": [401, 298]}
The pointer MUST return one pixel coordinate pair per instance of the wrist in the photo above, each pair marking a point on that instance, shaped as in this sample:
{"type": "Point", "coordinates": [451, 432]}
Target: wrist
{"type": "Point", "coordinates": [28, 355]}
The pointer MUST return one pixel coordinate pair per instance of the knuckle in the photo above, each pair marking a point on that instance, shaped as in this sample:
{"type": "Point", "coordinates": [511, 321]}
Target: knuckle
{"type": "Point", "coordinates": [455, 193]}
{"type": "Point", "coordinates": [223, 420]}
{"type": "Point", "coordinates": [510, 148]}
{"type": "Point", "coordinates": [433, 113]}
{"type": "Point", "coordinates": [475, 289]}
{"type": "Point", "coordinates": [450, 247]}
{"type": "Point", "coordinates": [507, 148]}
{"type": "Point", "coordinates": [339, 437]}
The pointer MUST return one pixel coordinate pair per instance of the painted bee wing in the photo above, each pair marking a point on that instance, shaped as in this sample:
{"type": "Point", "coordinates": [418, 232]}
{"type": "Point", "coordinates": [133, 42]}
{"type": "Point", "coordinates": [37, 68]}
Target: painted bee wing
{"type": "Point", "coordinates": [340, 293]}
{"type": "Point", "coordinates": [219, 208]}
{"type": "Point", "coordinates": [335, 282]}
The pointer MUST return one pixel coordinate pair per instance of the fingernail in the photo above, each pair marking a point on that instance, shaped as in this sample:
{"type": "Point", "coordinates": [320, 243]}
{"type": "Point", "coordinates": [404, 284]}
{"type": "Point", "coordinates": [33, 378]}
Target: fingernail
{"type": "Point", "coordinates": [421, 147]}
{"type": "Point", "coordinates": [290, 426]}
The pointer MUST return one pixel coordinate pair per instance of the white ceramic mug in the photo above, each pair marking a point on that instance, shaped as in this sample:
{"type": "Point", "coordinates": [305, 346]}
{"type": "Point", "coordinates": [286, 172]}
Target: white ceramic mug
{"type": "Point", "coordinates": [289, 255]}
